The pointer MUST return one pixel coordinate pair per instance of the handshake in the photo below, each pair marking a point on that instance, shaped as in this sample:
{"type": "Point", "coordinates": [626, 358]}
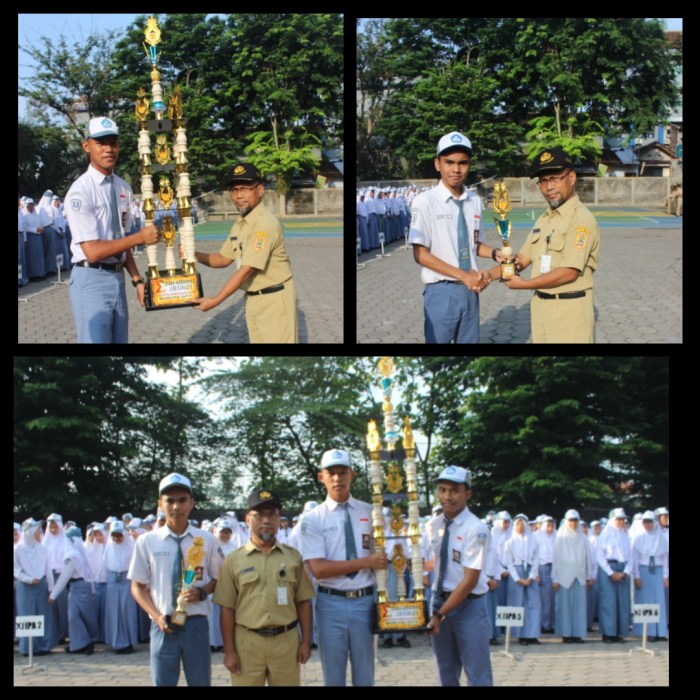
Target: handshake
{"type": "Point", "coordinates": [476, 281]}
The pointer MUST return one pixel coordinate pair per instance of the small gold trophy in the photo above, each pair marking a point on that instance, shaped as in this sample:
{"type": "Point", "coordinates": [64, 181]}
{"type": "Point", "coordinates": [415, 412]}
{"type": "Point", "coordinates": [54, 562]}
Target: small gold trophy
{"type": "Point", "coordinates": [501, 207]}
{"type": "Point", "coordinates": [193, 560]}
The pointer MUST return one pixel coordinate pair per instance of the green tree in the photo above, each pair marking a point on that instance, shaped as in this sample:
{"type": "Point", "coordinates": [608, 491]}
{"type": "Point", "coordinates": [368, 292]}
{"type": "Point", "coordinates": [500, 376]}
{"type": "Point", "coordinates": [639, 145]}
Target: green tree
{"type": "Point", "coordinates": [93, 435]}
{"type": "Point", "coordinates": [545, 434]}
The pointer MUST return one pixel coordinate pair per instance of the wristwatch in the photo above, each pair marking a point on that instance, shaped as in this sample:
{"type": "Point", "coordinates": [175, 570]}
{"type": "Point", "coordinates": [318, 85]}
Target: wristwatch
{"type": "Point", "coordinates": [440, 616]}
{"type": "Point", "coordinates": [137, 281]}
{"type": "Point", "coordinates": [202, 594]}
{"type": "Point", "coordinates": [493, 253]}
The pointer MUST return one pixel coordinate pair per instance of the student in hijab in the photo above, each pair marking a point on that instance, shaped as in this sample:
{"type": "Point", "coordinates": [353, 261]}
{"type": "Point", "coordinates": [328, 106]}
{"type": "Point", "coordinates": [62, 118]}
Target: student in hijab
{"type": "Point", "coordinates": [501, 532]}
{"type": "Point", "coordinates": [34, 224]}
{"type": "Point", "coordinates": [546, 537]}
{"type": "Point", "coordinates": [227, 543]}
{"type": "Point", "coordinates": [76, 577]}
{"type": "Point", "coordinates": [521, 557]}
{"type": "Point", "coordinates": [55, 542]}
{"type": "Point", "coordinates": [571, 573]}
{"type": "Point", "coordinates": [95, 551]}
{"type": "Point", "coordinates": [650, 557]}
{"type": "Point", "coordinates": [614, 557]}
{"type": "Point", "coordinates": [34, 582]}
{"type": "Point", "coordinates": [50, 237]}
{"type": "Point", "coordinates": [22, 279]}
{"type": "Point", "coordinates": [121, 630]}
{"type": "Point", "coordinates": [60, 225]}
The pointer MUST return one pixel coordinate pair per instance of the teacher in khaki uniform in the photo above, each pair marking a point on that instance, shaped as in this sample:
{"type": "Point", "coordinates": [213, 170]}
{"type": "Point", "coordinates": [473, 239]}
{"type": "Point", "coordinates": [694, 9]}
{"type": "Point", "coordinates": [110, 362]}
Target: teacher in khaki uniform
{"type": "Point", "coordinates": [256, 242]}
{"type": "Point", "coordinates": [264, 591]}
{"type": "Point", "coordinates": [563, 248]}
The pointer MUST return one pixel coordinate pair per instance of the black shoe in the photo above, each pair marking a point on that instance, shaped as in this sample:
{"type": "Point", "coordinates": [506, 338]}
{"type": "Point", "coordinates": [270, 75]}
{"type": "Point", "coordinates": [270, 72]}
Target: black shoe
{"type": "Point", "coordinates": [87, 650]}
{"type": "Point", "coordinates": [619, 640]}
{"type": "Point", "coordinates": [523, 642]}
{"type": "Point", "coordinates": [547, 631]}
{"type": "Point", "coordinates": [403, 642]}
{"type": "Point", "coordinates": [661, 639]}
{"type": "Point", "coordinates": [534, 641]}
{"type": "Point", "coordinates": [577, 640]}
{"type": "Point", "coordinates": [388, 643]}
{"type": "Point", "coordinates": [494, 642]}
{"type": "Point", "coordinates": [125, 650]}
{"type": "Point", "coordinates": [567, 640]}
{"type": "Point", "coordinates": [607, 639]}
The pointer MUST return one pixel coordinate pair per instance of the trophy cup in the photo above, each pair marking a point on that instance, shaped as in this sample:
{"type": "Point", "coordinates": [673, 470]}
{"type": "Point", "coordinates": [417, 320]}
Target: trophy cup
{"type": "Point", "coordinates": [501, 207]}
{"type": "Point", "coordinates": [194, 560]}
{"type": "Point", "coordinates": [403, 614]}
{"type": "Point", "coordinates": [173, 287]}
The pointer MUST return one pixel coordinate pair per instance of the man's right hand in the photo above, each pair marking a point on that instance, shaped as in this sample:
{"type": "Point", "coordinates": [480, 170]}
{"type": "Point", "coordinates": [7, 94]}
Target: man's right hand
{"type": "Point", "coordinates": [149, 235]}
{"type": "Point", "coordinates": [162, 624]}
{"type": "Point", "coordinates": [232, 662]}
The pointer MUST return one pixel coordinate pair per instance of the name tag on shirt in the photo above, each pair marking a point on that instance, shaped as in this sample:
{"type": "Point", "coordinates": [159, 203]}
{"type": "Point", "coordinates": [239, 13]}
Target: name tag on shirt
{"type": "Point", "coordinates": [282, 595]}
{"type": "Point", "coordinates": [545, 263]}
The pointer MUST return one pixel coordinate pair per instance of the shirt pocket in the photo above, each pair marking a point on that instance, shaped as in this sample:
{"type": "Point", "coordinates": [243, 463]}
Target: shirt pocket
{"type": "Point", "coordinates": [248, 579]}
{"type": "Point", "coordinates": [556, 241]}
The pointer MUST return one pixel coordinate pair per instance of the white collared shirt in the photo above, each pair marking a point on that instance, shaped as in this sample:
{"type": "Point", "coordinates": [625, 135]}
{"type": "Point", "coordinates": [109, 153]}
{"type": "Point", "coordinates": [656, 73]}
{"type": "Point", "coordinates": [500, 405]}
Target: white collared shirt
{"type": "Point", "coordinates": [468, 546]}
{"type": "Point", "coordinates": [434, 225]}
{"type": "Point", "coordinates": [323, 537]}
{"type": "Point", "coordinates": [153, 559]}
{"type": "Point", "coordinates": [89, 214]}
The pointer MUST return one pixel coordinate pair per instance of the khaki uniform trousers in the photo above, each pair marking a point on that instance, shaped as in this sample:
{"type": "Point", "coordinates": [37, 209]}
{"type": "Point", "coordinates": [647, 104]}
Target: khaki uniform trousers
{"type": "Point", "coordinates": [562, 320]}
{"type": "Point", "coordinates": [272, 318]}
{"type": "Point", "coordinates": [267, 658]}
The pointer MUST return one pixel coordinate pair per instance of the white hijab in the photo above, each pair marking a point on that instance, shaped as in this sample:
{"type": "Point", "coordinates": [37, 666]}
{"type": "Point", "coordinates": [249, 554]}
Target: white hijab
{"type": "Point", "coordinates": [571, 555]}
{"type": "Point", "coordinates": [55, 546]}
{"type": "Point", "coordinates": [614, 542]}
{"type": "Point", "coordinates": [523, 547]}
{"type": "Point", "coordinates": [650, 543]}
{"type": "Point", "coordinates": [30, 555]}
{"type": "Point", "coordinates": [499, 536]}
{"type": "Point", "coordinates": [75, 551]}
{"type": "Point", "coordinates": [118, 556]}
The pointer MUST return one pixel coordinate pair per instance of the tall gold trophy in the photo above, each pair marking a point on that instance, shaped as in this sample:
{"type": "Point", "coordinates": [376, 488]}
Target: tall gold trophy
{"type": "Point", "coordinates": [403, 614]}
{"type": "Point", "coordinates": [173, 286]}
{"type": "Point", "coordinates": [501, 208]}
{"type": "Point", "coordinates": [193, 560]}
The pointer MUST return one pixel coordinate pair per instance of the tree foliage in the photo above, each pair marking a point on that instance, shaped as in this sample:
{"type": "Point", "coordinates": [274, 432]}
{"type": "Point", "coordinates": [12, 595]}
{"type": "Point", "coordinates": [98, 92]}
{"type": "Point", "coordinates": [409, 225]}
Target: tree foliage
{"type": "Point", "coordinates": [420, 78]}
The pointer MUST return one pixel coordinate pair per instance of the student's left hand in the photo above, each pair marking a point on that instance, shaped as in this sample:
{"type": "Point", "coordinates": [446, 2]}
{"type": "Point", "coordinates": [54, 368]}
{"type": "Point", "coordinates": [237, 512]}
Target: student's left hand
{"type": "Point", "coordinates": [140, 290]}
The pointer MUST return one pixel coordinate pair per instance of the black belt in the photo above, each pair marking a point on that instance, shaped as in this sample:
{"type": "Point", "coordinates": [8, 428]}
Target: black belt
{"type": "Point", "coordinates": [563, 295]}
{"type": "Point", "coordinates": [446, 594]}
{"type": "Point", "coordinates": [113, 267]}
{"type": "Point", "coordinates": [272, 631]}
{"type": "Point", "coordinates": [347, 594]}
{"type": "Point", "coordinates": [267, 290]}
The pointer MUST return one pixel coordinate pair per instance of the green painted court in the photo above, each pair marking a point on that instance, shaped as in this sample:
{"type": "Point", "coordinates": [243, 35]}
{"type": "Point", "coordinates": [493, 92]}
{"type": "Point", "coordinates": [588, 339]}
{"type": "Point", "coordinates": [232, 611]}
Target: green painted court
{"type": "Point", "coordinates": [307, 227]}
{"type": "Point", "coordinates": [608, 217]}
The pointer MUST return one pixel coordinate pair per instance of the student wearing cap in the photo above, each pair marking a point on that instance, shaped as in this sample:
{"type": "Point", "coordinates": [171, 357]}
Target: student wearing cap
{"type": "Point", "coordinates": [256, 243]}
{"type": "Point", "coordinates": [77, 578]}
{"type": "Point", "coordinates": [563, 250]}
{"type": "Point", "coordinates": [32, 570]}
{"type": "Point", "coordinates": [650, 557]}
{"type": "Point", "coordinates": [572, 573]}
{"type": "Point", "coordinates": [264, 593]}
{"type": "Point", "coordinates": [99, 215]}
{"type": "Point", "coordinates": [336, 540]}
{"type": "Point", "coordinates": [156, 572]}
{"type": "Point", "coordinates": [459, 627]}
{"type": "Point", "coordinates": [615, 565]}
{"type": "Point", "coordinates": [521, 557]}
{"type": "Point", "coordinates": [445, 235]}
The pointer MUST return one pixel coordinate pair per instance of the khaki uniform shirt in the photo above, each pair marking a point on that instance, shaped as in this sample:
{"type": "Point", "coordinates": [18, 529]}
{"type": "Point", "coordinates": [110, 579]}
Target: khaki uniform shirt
{"type": "Point", "coordinates": [571, 237]}
{"type": "Point", "coordinates": [257, 241]}
{"type": "Point", "coordinates": [249, 581]}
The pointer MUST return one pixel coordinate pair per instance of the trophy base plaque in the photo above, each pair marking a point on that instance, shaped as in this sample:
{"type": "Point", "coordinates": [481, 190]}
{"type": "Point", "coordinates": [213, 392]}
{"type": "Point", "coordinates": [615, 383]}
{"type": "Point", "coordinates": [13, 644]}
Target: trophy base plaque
{"type": "Point", "coordinates": [177, 620]}
{"type": "Point", "coordinates": [404, 616]}
{"type": "Point", "coordinates": [507, 270]}
{"type": "Point", "coordinates": [173, 291]}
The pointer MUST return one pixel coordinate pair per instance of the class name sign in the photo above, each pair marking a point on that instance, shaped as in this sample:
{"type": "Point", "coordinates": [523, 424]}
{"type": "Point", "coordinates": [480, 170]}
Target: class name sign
{"type": "Point", "coordinates": [29, 626]}
{"type": "Point", "coordinates": [509, 616]}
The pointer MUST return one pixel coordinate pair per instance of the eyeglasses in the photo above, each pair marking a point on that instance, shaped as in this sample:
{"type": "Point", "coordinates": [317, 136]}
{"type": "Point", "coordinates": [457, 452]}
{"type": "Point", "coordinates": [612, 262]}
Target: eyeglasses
{"type": "Point", "coordinates": [239, 190]}
{"type": "Point", "coordinates": [552, 180]}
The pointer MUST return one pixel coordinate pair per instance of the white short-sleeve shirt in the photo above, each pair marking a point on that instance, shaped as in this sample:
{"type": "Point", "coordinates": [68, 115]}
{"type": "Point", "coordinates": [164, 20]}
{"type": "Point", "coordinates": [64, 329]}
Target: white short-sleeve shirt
{"type": "Point", "coordinates": [323, 537]}
{"type": "Point", "coordinates": [89, 214]}
{"type": "Point", "coordinates": [468, 545]}
{"type": "Point", "coordinates": [434, 225]}
{"type": "Point", "coordinates": [153, 560]}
